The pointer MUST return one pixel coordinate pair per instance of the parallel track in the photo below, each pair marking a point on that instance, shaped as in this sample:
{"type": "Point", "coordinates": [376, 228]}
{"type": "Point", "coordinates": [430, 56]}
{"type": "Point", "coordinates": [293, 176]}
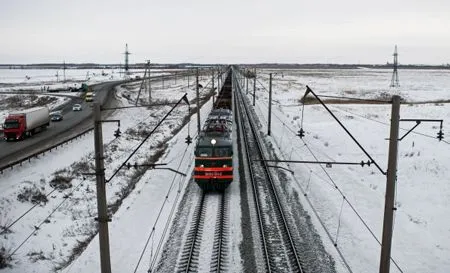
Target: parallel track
{"type": "Point", "coordinates": [279, 249]}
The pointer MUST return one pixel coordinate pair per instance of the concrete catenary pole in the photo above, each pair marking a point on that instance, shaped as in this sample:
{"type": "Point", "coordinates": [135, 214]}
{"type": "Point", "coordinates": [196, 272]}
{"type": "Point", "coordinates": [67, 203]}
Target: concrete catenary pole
{"type": "Point", "coordinates": [246, 78]}
{"type": "Point", "coordinates": [270, 104]}
{"type": "Point", "coordinates": [254, 87]}
{"type": "Point", "coordinates": [102, 208]}
{"type": "Point", "coordinates": [149, 83]}
{"type": "Point", "coordinates": [198, 101]}
{"type": "Point", "coordinates": [218, 78]}
{"type": "Point", "coordinates": [389, 206]}
{"type": "Point", "coordinates": [212, 81]}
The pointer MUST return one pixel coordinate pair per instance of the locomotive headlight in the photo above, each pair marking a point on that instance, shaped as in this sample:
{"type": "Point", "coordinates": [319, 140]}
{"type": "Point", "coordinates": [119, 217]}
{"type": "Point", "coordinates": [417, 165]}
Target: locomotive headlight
{"type": "Point", "coordinates": [213, 141]}
{"type": "Point", "coordinates": [225, 165]}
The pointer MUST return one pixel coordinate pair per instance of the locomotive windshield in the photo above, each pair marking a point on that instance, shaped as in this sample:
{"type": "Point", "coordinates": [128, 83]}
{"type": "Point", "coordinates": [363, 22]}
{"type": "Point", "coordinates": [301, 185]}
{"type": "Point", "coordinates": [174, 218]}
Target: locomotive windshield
{"type": "Point", "coordinates": [216, 151]}
{"type": "Point", "coordinates": [204, 151]}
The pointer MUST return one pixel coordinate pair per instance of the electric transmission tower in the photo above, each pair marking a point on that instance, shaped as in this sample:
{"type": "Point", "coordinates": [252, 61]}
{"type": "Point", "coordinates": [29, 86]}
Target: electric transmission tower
{"type": "Point", "coordinates": [394, 80]}
{"type": "Point", "coordinates": [126, 59]}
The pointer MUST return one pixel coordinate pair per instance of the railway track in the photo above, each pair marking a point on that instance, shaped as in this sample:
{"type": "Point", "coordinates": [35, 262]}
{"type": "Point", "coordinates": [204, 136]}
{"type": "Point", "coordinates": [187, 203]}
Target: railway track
{"type": "Point", "coordinates": [278, 242]}
{"type": "Point", "coordinates": [207, 239]}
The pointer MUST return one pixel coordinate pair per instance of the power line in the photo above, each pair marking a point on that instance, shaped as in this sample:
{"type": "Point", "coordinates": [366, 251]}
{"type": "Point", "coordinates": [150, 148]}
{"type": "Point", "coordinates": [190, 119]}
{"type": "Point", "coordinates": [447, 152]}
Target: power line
{"type": "Point", "coordinates": [145, 139]}
{"type": "Point", "coordinates": [342, 194]}
{"type": "Point", "coordinates": [36, 228]}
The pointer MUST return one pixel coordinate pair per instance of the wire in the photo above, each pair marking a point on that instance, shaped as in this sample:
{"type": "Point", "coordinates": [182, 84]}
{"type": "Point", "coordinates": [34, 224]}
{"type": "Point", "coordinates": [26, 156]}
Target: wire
{"type": "Point", "coordinates": [348, 202]}
{"type": "Point", "coordinates": [159, 213]}
{"type": "Point", "coordinates": [339, 221]}
{"type": "Point", "coordinates": [356, 99]}
{"type": "Point", "coordinates": [145, 139]}
{"type": "Point", "coordinates": [5, 229]}
{"type": "Point", "coordinates": [36, 228]}
{"type": "Point", "coordinates": [387, 124]}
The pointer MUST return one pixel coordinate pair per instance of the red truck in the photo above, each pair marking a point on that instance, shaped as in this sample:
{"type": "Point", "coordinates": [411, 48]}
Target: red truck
{"type": "Point", "coordinates": [21, 124]}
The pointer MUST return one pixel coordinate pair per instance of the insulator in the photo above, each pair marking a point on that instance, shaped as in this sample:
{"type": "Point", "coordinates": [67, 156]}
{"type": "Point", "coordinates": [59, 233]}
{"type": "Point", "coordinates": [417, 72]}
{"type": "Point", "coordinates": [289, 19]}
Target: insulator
{"type": "Point", "coordinates": [301, 133]}
{"type": "Point", "coordinates": [440, 135]}
{"type": "Point", "coordinates": [117, 133]}
{"type": "Point", "coordinates": [188, 140]}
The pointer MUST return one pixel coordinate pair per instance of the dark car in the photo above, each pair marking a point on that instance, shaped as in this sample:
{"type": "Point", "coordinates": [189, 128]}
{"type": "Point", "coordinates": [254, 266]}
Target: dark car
{"type": "Point", "coordinates": [56, 116]}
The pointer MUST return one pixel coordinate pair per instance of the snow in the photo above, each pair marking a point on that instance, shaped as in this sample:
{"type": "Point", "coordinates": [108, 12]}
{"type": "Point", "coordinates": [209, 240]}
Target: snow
{"type": "Point", "coordinates": [421, 232]}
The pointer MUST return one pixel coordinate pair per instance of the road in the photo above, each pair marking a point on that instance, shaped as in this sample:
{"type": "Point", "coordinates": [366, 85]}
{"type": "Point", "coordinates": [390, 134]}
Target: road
{"type": "Point", "coordinates": [72, 123]}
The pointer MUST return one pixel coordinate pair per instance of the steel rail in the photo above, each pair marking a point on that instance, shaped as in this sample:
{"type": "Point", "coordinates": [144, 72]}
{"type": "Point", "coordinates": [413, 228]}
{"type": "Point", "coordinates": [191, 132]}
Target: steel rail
{"type": "Point", "coordinates": [272, 186]}
{"type": "Point", "coordinates": [255, 190]}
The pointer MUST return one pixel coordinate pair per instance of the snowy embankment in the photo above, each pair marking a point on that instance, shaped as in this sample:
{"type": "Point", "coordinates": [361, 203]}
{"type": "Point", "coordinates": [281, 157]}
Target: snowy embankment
{"type": "Point", "coordinates": [421, 229]}
{"type": "Point", "coordinates": [62, 222]}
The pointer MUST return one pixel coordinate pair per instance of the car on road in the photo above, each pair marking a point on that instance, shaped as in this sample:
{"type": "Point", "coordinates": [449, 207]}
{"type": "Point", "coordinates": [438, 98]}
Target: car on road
{"type": "Point", "coordinates": [56, 116]}
{"type": "Point", "coordinates": [76, 107]}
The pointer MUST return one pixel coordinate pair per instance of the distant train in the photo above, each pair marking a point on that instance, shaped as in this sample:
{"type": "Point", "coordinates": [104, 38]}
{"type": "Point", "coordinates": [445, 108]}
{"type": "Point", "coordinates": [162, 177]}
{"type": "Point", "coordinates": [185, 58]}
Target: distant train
{"type": "Point", "coordinates": [214, 150]}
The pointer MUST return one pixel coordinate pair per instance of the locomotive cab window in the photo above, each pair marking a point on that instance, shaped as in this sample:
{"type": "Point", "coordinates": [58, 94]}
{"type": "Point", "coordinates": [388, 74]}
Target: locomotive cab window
{"type": "Point", "coordinates": [204, 152]}
{"type": "Point", "coordinates": [222, 152]}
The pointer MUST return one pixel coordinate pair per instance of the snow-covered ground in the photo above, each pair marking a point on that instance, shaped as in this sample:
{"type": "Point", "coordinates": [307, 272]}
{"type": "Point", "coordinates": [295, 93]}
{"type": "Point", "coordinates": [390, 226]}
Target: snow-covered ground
{"type": "Point", "coordinates": [421, 232]}
{"type": "Point", "coordinates": [51, 244]}
{"type": "Point", "coordinates": [421, 237]}
{"type": "Point", "coordinates": [39, 80]}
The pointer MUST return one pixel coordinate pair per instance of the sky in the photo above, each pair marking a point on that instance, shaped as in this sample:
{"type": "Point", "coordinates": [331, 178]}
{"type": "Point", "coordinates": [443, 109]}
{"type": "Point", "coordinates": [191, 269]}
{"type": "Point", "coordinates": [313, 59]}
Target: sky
{"type": "Point", "coordinates": [203, 31]}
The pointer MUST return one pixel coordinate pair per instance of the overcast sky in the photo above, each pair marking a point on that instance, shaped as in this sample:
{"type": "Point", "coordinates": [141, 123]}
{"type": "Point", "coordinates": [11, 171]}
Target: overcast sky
{"type": "Point", "coordinates": [232, 31]}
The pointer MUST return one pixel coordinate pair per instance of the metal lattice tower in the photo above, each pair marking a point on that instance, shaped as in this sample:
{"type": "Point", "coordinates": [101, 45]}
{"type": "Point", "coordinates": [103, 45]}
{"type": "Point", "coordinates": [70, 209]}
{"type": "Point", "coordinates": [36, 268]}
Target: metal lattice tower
{"type": "Point", "coordinates": [126, 59]}
{"type": "Point", "coordinates": [394, 80]}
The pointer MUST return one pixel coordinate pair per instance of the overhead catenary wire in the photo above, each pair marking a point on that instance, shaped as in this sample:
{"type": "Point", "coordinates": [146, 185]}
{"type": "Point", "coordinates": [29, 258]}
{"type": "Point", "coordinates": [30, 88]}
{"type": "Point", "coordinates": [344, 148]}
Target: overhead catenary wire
{"type": "Point", "coordinates": [349, 203]}
{"type": "Point", "coordinates": [145, 139]}
{"type": "Point", "coordinates": [159, 213]}
{"type": "Point", "coordinates": [384, 123]}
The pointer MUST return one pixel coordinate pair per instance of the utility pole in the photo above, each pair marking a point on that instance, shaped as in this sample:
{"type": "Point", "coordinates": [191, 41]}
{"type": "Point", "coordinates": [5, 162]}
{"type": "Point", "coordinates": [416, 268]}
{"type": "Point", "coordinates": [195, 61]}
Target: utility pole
{"type": "Point", "coordinates": [212, 81]}
{"type": "Point", "coordinates": [254, 87]}
{"type": "Point", "coordinates": [218, 79]}
{"type": "Point", "coordinates": [64, 71]}
{"type": "Point", "coordinates": [270, 104]}
{"type": "Point", "coordinates": [198, 102]}
{"type": "Point", "coordinates": [149, 83]}
{"type": "Point", "coordinates": [188, 75]}
{"type": "Point", "coordinates": [102, 208]}
{"type": "Point", "coordinates": [246, 78]}
{"type": "Point", "coordinates": [389, 205]}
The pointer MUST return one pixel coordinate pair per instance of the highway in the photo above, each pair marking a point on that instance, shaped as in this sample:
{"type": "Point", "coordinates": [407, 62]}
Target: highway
{"type": "Point", "coordinates": [72, 123]}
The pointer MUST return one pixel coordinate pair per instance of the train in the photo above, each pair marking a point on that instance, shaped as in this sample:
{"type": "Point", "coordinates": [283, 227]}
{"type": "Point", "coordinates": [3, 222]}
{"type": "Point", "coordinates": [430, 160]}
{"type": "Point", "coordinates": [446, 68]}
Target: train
{"type": "Point", "coordinates": [213, 169]}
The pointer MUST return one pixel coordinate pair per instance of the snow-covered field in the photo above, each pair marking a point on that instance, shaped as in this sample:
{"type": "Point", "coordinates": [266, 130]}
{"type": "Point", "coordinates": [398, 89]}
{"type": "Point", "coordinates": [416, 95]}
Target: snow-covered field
{"type": "Point", "coordinates": [421, 233]}
{"type": "Point", "coordinates": [421, 237]}
{"type": "Point", "coordinates": [59, 224]}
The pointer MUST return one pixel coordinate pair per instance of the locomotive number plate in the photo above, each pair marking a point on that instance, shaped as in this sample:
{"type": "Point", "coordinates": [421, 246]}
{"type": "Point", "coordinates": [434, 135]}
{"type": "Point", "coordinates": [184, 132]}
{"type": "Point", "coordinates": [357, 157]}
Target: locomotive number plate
{"type": "Point", "coordinates": [213, 173]}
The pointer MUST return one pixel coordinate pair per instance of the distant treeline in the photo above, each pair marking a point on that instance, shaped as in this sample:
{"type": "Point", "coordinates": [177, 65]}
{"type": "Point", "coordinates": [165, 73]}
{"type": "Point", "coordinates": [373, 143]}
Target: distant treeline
{"type": "Point", "coordinates": [193, 65]}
